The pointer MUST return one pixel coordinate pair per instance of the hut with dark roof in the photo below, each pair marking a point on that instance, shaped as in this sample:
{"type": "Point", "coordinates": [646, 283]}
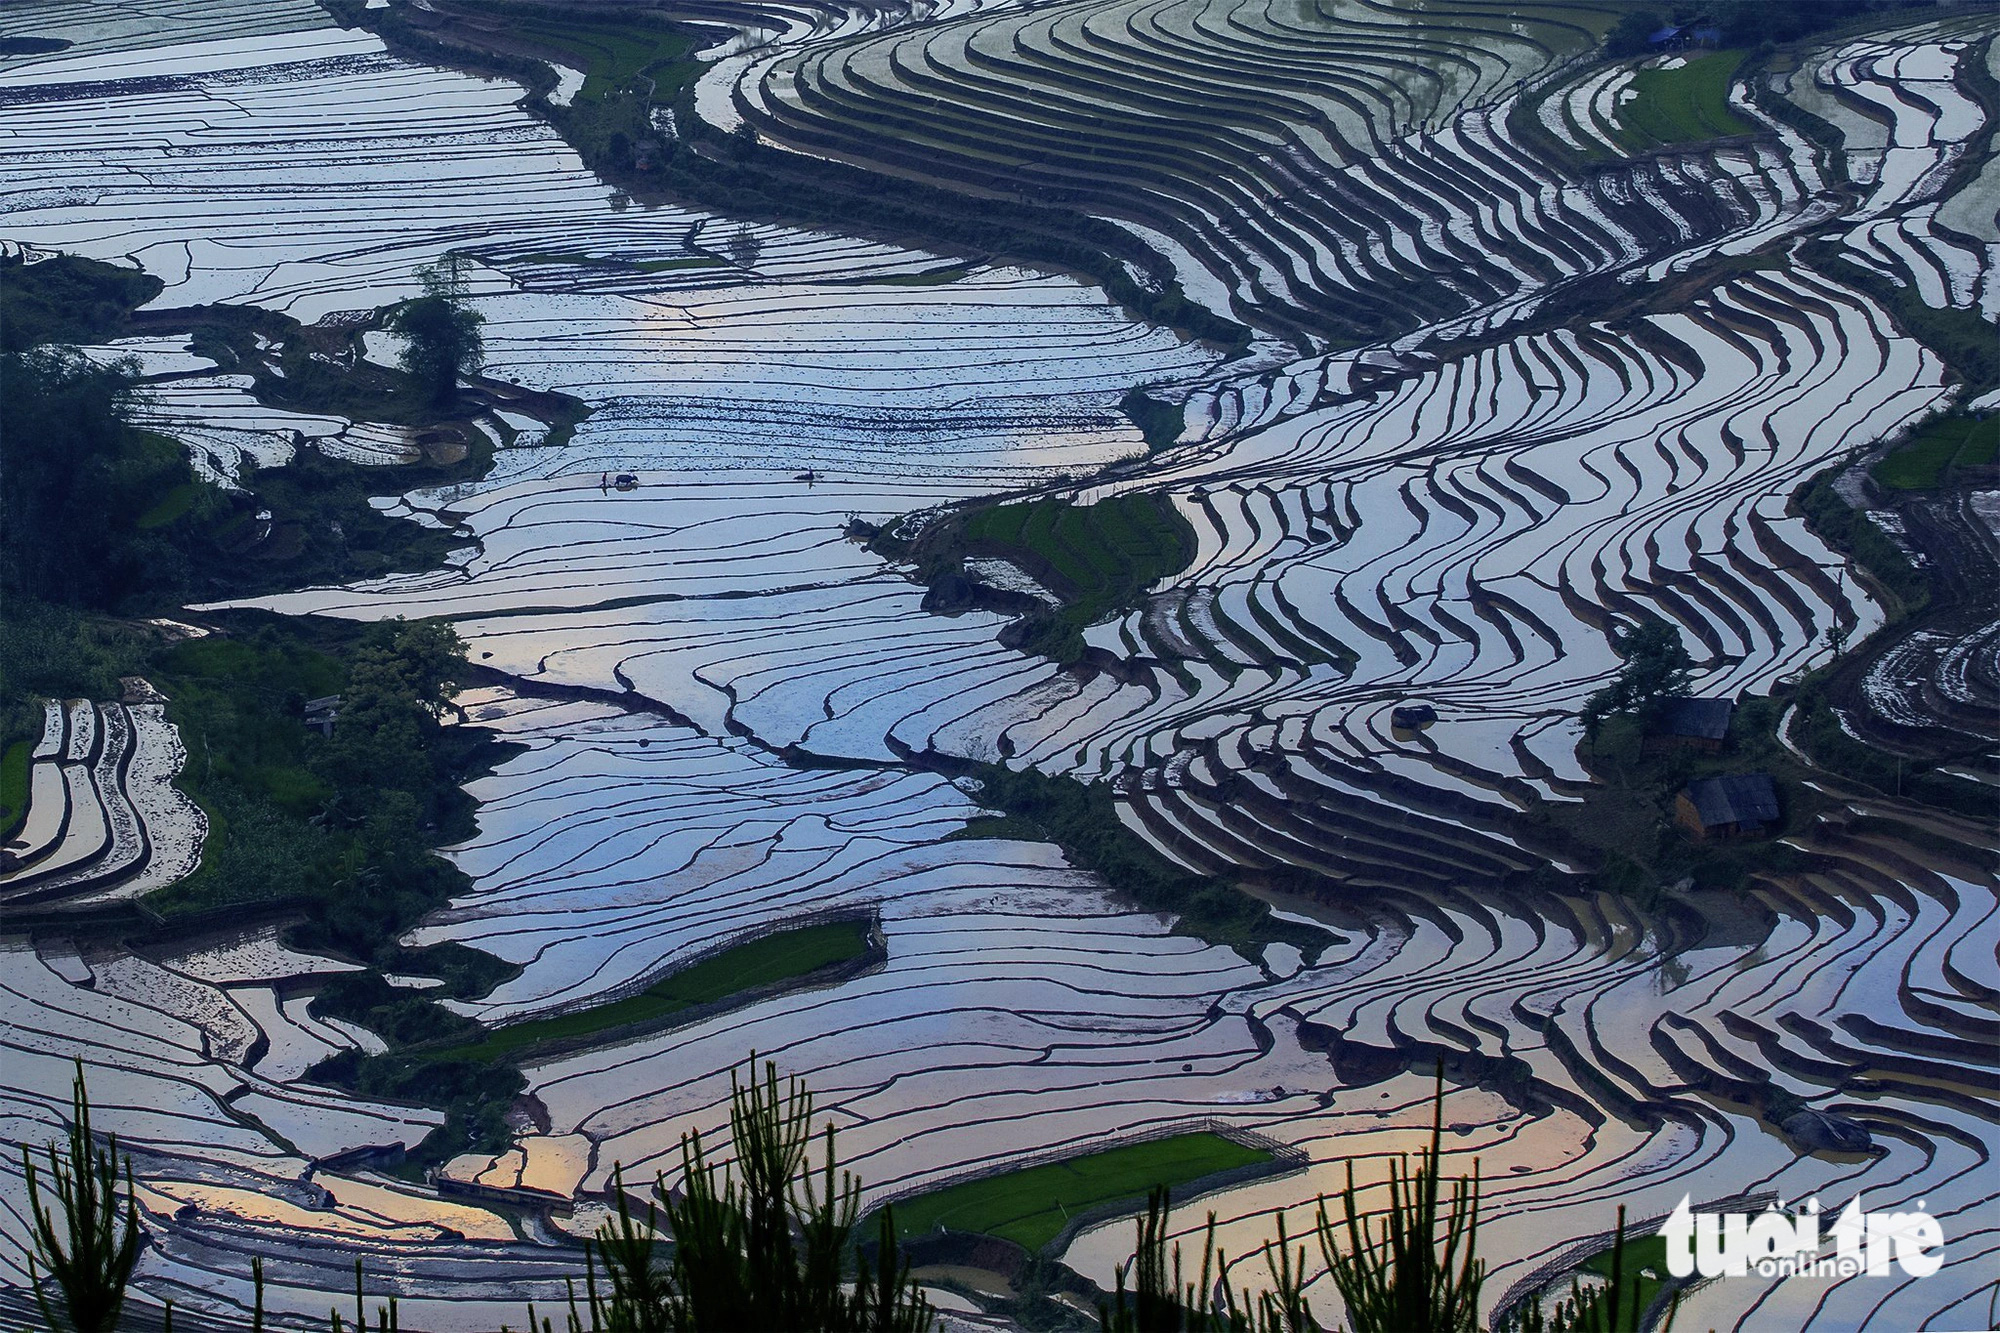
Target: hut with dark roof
{"type": "Point", "coordinates": [1690, 724]}
{"type": "Point", "coordinates": [1738, 805]}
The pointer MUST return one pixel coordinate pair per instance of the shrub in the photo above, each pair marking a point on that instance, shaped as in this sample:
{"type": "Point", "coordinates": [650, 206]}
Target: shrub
{"type": "Point", "coordinates": [442, 342]}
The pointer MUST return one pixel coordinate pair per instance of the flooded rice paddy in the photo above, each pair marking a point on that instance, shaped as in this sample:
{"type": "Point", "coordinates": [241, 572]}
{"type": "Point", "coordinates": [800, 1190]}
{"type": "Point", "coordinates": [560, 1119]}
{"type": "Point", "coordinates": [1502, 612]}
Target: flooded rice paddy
{"type": "Point", "coordinates": [728, 707]}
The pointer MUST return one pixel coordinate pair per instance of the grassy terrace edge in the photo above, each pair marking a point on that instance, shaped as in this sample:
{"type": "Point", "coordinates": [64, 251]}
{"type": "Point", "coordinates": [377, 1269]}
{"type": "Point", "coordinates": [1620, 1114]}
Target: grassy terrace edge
{"type": "Point", "coordinates": [735, 975]}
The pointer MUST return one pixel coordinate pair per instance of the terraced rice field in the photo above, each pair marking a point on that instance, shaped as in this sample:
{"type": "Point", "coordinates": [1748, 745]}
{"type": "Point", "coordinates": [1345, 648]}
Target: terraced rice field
{"type": "Point", "coordinates": [1499, 404]}
{"type": "Point", "coordinates": [1347, 171]}
{"type": "Point", "coordinates": [102, 819]}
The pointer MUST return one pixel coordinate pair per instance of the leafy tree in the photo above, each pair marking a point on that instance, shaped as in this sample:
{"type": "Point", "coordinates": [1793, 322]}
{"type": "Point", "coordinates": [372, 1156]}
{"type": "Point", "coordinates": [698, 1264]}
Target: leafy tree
{"type": "Point", "coordinates": [1631, 35]}
{"type": "Point", "coordinates": [90, 1256]}
{"type": "Point", "coordinates": [441, 338]}
{"type": "Point", "coordinates": [760, 1250]}
{"type": "Point", "coordinates": [1657, 667]}
{"type": "Point", "coordinates": [400, 679]}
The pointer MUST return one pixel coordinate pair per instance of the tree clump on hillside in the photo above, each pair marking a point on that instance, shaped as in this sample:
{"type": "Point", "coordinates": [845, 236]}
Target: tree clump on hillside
{"type": "Point", "coordinates": [441, 335]}
{"type": "Point", "coordinates": [68, 299]}
{"type": "Point", "coordinates": [1657, 667]}
{"type": "Point", "coordinates": [391, 781]}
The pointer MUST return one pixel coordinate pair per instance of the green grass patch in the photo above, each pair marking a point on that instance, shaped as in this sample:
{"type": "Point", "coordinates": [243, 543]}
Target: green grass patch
{"type": "Point", "coordinates": [444, 1060]}
{"type": "Point", "coordinates": [1852, 532]}
{"type": "Point", "coordinates": [565, 257]}
{"type": "Point", "coordinates": [1098, 558]}
{"type": "Point", "coordinates": [237, 702]}
{"type": "Point", "coordinates": [671, 265]}
{"type": "Point", "coordinates": [1689, 104]}
{"type": "Point", "coordinates": [14, 766]}
{"type": "Point", "coordinates": [1003, 827]}
{"type": "Point", "coordinates": [1032, 1207]}
{"type": "Point", "coordinates": [1919, 463]}
{"type": "Point", "coordinates": [784, 956]}
{"type": "Point", "coordinates": [1961, 337]}
{"type": "Point", "coordinates": [1982, 445]}
{"type": "Point", "coordinates": [1102, 552]}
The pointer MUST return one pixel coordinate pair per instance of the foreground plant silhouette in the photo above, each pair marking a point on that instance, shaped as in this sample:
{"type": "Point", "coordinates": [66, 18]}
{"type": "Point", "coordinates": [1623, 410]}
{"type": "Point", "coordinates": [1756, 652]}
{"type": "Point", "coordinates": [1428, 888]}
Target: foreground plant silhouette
{"type": "Point", "coordinates": [1611, 1308]}
{"type": "Point", "coordinates": [1411, 1278]}
{"type": "Point", "coordinates": [1160, 1300]}
{"type": "Point", "coordinates": [766, 1251]}
{"type": "Point", "coordinates": [90, 1257]}
{"type": "Point", "coordinates": [1421, 1274]}
{"type": "Point", "coordinates": [758, 1245]}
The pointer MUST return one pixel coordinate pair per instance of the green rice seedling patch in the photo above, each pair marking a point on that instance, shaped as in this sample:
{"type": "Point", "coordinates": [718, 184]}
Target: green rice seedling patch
{"type": "Point", "coordinates": [1920, 462]}
{"type": "Point", "coordinates": [1689, 104]}
{"type": "Point", "coordinates": [1031, 1207]}
{"type": "Point", "coordinates": [1982, 444]}
{"type": "Point", "coordinates": [785, 956]}
{"type": "Point", "coordinates": [634, 265]}
{"type": "Point", "coordinates": [671, 265]}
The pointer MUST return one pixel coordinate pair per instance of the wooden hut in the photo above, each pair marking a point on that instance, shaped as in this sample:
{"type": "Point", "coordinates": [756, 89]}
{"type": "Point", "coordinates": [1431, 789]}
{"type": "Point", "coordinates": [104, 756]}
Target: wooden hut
{"type": "Point", "coordinates": [1738, 805]}
{"type": "Point", "coordinates": [1690, 724]}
